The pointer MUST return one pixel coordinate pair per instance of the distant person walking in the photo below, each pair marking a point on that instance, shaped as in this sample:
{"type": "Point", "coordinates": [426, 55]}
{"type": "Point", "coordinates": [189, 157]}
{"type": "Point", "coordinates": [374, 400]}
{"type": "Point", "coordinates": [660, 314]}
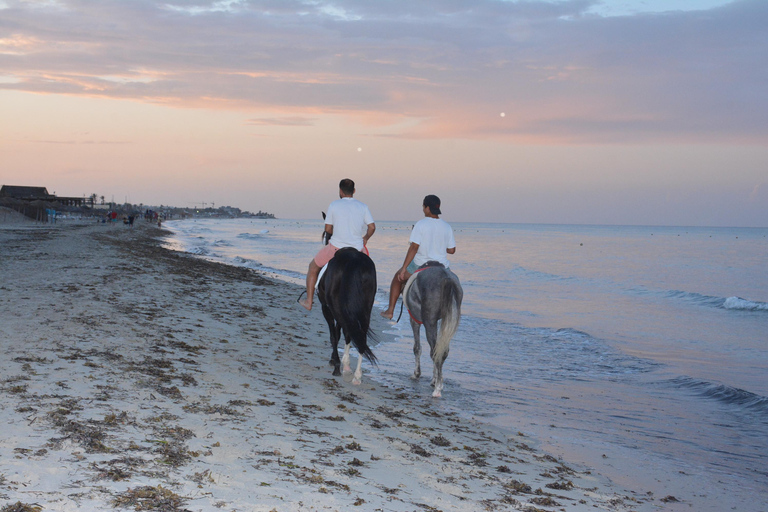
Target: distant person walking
{"type": "Point", "coordinates": [431, 240]}
{"type": "Point", "coordinates": [351, 224]}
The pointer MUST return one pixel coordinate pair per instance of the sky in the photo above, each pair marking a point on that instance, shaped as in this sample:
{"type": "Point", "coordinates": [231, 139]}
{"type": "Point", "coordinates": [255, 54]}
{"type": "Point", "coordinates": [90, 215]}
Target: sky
{"type": "Point", "coordinates": [643, 112]}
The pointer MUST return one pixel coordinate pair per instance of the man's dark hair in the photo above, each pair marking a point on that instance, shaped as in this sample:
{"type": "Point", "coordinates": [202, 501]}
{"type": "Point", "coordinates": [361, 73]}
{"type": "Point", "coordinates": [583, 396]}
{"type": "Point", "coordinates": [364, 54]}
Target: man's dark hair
{"type": "Point", "coordinates": [347, 186]}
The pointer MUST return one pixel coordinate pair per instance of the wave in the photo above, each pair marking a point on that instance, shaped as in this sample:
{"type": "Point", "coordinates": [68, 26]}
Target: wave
{"type": "Point", "coordinates": [251, 236]}
{"type": "Point", "coordinates": [539, 275]}
{"type": "Point", "coordinates": [698, 299]}
{"type": "Point", "coordinates": [723, 393]}
{"type": "Point", "coordinates": [200, 251]}
{"type": "Point", "coordinates": [245, 262]}
{"type": "Point", "coordinates": [744, 304]}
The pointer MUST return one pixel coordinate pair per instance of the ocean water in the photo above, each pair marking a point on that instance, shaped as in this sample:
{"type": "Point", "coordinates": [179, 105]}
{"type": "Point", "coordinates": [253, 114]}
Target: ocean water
{"type": "Point", "coordinates": [639, 352]}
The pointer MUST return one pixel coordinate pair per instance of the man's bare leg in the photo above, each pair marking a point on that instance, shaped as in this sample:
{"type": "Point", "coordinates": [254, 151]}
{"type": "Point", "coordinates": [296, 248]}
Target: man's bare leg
{"type": "Point", "coordinates": [395, 289]}
{"type": "Point", "coordinates": [312, 272]}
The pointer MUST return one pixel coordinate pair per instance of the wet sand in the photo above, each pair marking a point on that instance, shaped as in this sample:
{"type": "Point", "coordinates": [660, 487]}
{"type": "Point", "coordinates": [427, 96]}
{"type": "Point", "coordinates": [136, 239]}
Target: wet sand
{"type": "Point", "coordinates": [139, 378]}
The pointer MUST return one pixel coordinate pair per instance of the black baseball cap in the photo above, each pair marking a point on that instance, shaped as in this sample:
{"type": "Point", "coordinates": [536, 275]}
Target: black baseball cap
{"type": "Point", "coordinates": [434, 204]}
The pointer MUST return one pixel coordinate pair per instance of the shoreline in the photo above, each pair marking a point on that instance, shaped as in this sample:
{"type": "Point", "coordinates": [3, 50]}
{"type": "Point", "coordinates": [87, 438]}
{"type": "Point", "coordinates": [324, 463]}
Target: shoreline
{"type": "Point", "coordinates": [136, 376]}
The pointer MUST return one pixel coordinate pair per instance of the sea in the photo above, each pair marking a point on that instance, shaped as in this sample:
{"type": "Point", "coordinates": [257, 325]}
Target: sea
{"type": "Point", "coordinates": [635, 352]}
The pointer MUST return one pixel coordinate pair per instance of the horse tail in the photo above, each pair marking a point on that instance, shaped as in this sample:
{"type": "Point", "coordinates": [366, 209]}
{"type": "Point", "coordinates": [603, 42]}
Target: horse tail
{"type": "Point", "coordinates": [451, 300]}
{"type": "Point", "coordinates": [359, 288]}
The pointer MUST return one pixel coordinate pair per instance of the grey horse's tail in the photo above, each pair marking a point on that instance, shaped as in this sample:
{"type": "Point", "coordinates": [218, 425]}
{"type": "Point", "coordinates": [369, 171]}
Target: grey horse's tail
{"type": "Point", "coordinates": [451, 301]}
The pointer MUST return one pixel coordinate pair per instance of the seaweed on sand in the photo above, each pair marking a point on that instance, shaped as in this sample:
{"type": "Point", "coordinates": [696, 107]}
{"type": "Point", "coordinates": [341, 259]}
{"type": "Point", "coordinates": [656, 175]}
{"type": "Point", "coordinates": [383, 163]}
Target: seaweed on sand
{"type": "Point", "coordinates": [21, 507]}
{"type": "Point", "coordinates": [418, 450]}
{"type": "Point", "coordinates": [174, 453]}
{"type": "Point", "coordinates": [118, 469]}
{"type": "Point", "coordinates": [150, 498]}
{"type": "Point", "coordinates": [89, 437]}
{"type": "Point", "coordinates": [439, 440]}
{"type": "Point", "coordinates": [518, 487]}
{"type": "Point", "coordinates": [560, 486]}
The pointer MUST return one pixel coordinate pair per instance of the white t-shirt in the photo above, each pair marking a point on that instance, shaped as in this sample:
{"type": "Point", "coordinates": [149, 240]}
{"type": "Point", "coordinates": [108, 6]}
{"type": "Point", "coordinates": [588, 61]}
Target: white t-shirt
{"type": "Point", "coordinates": [434, 236]}
{"type": "Point", "coordinates": [349, 218]}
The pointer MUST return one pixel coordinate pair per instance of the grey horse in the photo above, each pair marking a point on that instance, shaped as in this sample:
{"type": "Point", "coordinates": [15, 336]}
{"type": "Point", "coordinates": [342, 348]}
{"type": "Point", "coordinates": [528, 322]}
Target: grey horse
{"type": "Point", "coordinates": [433, 297]}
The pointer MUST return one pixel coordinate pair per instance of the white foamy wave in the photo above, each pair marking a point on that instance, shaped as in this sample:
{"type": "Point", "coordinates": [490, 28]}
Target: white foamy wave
{"type": "Point", "coordinates": [744, 304]}
{"type": "Point", "coordinates": [245, 262]}
{"type": "Point", "coordinates": [249, 236]}
{"type": "Point", "coordinates": [200, 251]}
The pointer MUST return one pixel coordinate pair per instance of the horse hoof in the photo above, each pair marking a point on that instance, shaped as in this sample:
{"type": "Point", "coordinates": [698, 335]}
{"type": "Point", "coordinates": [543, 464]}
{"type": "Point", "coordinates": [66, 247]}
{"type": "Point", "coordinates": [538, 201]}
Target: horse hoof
{"type": "Point", "coordinates": [437, 394]}
{"type": "Point", "coordinates": [415, 376]}
{"type": "Point", "coordinates": [336, 372]}
{"type": "Point", "coordinates": [356, 381]}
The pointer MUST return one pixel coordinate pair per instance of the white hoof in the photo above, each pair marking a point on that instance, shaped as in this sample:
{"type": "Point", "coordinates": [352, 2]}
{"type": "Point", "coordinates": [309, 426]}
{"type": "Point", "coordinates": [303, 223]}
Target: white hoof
{"type": "Point", "coordinates": [416, 376]}
{"type": "Point", "coordinates": [436, 394]}
{"type": "Point", "coordinates": [356, 381]}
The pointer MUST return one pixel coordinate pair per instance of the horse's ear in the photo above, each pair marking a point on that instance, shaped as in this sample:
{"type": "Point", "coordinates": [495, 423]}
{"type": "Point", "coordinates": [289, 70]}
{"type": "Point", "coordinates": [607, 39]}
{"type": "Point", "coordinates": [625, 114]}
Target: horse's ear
{"type": "Point", "coordinates": [323, 215]}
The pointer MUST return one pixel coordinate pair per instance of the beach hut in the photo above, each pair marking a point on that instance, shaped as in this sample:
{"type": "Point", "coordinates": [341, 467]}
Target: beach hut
{"type": "Point", "coordinates": [26, 193]}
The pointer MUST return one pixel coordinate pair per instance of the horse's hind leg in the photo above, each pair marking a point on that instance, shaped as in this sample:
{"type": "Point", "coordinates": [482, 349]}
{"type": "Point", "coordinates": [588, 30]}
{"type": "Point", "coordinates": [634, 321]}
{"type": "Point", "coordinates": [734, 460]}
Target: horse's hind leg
{"type": "Point", "coordinates": [345, 358]}
{"type": "Point", "coordinates": [437, 359]}
{"type": "Point", "coordinates": [335, 335]}
{"type": "Point", "coordinates": [438, 378]}
{"type": "Point", "coordinates": [416, 349]}
{"type": "Point", "coordinates": [358, 378]}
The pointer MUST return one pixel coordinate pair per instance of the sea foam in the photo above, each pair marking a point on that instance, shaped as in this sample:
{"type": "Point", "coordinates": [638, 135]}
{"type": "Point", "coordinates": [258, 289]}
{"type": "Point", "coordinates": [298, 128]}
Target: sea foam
{"type": "Point", "coordinates": [744, 304]}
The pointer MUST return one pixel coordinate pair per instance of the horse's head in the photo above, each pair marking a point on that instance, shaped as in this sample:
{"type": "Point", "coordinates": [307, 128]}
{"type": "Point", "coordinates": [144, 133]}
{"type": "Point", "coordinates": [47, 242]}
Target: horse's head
{"type": "Point", "coordinates": [326, 237]}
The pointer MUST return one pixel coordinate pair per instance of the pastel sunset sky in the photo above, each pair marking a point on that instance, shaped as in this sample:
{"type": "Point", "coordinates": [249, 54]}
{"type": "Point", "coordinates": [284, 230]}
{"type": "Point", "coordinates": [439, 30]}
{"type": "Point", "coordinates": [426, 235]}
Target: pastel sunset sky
{"type": "Point", "coordinates": [647, 112]}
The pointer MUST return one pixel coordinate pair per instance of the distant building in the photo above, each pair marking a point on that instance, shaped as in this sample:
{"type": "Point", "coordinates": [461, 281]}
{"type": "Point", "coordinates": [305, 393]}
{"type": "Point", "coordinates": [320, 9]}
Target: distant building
{"type": "Point", "coordinates": [41, 194]}
{"type": "Point", "coordinates": [25, 193]}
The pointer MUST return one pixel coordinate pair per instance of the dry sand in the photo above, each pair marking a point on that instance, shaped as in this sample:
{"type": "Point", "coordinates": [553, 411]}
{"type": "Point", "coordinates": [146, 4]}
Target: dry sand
{"type": "Point", "coordinates": [142, 379]}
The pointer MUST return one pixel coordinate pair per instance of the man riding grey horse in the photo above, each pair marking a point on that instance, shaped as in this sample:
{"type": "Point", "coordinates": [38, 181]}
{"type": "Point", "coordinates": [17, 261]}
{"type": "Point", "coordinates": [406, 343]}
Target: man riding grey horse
{"type": "Point", "coordinates": [432, 293]}
{"type": "Point", "coordinates": [431, 240]}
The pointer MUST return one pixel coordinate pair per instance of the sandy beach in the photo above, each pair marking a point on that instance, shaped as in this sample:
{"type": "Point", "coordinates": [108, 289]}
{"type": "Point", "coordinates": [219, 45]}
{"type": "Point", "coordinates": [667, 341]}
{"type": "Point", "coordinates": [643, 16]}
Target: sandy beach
{"type": "Point", "coordinates": [136, 378]}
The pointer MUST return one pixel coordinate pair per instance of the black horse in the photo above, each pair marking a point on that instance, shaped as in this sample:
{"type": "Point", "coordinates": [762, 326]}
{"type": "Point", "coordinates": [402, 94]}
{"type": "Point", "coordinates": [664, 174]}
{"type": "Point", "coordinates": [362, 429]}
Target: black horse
{"type": "Point", "coordinates": [346, 291]}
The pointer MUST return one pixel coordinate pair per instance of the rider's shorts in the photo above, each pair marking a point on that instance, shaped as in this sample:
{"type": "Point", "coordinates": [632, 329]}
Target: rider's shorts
{"type": "Point", "coordinates": [325, 255]}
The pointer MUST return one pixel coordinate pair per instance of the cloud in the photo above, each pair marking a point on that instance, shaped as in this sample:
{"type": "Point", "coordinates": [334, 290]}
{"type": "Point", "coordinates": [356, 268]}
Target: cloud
{"type": "Point", "coordinates": [559, 71]}
{"type": "Point", "coordinates": [73, 142]}
{"type": "Point", "coordinates": [282, 121]}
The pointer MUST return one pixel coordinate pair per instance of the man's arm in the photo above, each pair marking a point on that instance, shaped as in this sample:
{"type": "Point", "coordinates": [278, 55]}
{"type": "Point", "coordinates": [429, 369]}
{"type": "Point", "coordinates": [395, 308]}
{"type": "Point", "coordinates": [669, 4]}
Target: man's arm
{"type": "Point", "coordinates": [452, 250]}
{"type": "Point", "coordinates": [412, 250]}
{"type": "Point", "coordinates": [369, 233]}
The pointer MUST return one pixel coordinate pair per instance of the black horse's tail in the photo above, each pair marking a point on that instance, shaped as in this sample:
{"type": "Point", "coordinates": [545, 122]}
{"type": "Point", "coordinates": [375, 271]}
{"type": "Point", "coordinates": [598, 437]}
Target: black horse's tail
{"type": "Point", "coordinates": [356, 291]}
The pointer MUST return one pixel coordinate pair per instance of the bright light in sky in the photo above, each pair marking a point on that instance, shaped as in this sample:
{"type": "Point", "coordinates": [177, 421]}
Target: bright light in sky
{"type": "Point", "coordinates": [621, 112]}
